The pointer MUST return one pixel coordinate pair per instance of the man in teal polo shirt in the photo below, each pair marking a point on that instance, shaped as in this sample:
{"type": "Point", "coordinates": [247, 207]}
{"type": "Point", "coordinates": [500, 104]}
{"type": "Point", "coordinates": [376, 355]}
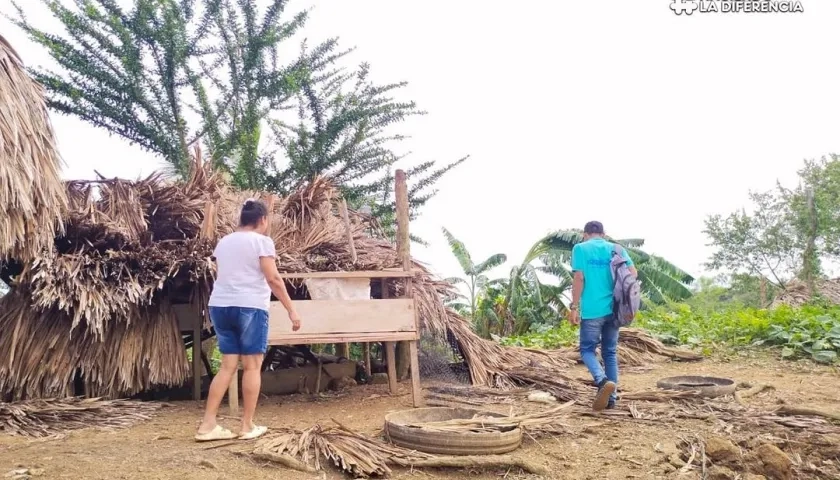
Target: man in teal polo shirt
{"type": "Point", "coordinates": [592, 309]}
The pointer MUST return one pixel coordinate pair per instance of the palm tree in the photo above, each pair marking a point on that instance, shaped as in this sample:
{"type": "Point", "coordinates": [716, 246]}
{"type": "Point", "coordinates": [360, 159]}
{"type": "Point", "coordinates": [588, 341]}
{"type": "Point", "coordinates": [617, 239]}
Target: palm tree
{"type": "Point", "coordinates": [476, 279]}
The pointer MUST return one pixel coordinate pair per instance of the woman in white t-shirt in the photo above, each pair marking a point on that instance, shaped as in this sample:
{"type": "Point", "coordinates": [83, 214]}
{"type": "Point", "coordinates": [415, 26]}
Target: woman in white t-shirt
{"type": "Point", "coordinates": [246, 275]}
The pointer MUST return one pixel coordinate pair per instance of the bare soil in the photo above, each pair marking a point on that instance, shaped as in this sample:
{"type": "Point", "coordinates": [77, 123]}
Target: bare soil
{"type": "Point", "coordinates": [612, 448]}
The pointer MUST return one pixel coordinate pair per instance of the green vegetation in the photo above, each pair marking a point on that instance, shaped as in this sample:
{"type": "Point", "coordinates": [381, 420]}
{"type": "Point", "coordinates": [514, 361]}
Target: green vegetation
{"type": "Point", "coordinates": [811, 331]}
{"type": "Point", "coordinates": [535, 295]}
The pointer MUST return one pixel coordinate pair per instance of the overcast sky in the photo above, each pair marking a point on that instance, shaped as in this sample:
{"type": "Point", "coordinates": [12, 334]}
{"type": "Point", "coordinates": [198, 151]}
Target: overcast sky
{"type": "Point", "coordinates": [612, 110]}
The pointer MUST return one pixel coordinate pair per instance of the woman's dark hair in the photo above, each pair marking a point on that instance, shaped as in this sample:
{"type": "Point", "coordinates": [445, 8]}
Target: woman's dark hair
{"type": "Point", "coordinates": [252, 212]}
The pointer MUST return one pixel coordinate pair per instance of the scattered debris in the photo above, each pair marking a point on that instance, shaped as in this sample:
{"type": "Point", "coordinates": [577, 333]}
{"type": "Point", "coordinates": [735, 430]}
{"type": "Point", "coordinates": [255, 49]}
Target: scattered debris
{"type": "Point", "coordinates": [541, 397]}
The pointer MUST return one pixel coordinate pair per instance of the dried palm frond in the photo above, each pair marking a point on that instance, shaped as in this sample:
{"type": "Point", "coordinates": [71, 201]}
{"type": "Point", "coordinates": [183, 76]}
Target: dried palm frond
{"type": "Point", "coordinates": [362, 456]}
{"type": "Point", "coordinates": [32, 197]}
{"type": "Point", "coordinates": [549, 420]}
{"type": "Point", "coordinates": [353, 453]}
{"type": "Point", "coordinates": [40, 418]}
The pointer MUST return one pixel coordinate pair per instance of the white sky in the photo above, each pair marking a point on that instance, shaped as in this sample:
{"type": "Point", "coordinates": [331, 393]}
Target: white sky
{"type": "Point", "coordinates": [612, 110]}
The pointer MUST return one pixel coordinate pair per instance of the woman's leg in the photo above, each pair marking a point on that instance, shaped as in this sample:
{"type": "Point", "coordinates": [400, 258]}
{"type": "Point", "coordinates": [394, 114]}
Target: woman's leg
{"type": "Point", "coordinates": [228, 342]}
{"type": "Point", "coordinates": [218, 387]}
{"type": "Point", "coordinates": [253, 341]}
{"type": "Point", "coordinates": [251, 381]}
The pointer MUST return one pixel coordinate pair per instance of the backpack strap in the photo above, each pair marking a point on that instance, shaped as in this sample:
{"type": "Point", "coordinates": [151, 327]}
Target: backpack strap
{"type": "Point", "coordinates": [618, 250]}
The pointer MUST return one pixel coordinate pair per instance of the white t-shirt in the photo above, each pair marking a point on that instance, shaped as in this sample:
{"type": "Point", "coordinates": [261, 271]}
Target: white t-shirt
{"type": "Point", "coordinates": [240, 281]}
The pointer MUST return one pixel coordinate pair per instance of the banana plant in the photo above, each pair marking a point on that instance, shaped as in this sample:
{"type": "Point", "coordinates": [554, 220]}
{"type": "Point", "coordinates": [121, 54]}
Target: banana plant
{"type": "Point", "coordinates": [476, 279]}
{"type": "Point", "coordinates": [661, 280]}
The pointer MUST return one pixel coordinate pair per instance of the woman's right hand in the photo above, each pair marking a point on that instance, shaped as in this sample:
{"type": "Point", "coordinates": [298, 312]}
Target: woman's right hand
{"type": "Point", "coordinates": [295, 321]}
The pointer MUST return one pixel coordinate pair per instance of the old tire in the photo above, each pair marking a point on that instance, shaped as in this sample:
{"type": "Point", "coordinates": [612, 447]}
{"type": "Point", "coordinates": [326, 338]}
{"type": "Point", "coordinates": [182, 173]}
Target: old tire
{"type": "Point", "coordinates": [398, 431]}
{"type": "Point", "coordinates": [708, 387]}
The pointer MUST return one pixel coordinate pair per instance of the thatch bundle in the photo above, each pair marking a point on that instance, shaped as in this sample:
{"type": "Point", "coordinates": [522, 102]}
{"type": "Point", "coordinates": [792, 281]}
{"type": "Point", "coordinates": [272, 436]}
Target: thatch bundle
{"type": "Point", "coordinates": [40, 418]}
{"type": "Point", "coordinates": [99, 302]}
{"type": "Point", "coordinates": [32, 198]}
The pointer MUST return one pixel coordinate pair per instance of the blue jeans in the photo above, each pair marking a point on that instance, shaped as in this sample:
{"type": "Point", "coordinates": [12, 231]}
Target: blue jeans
{"type": "Point", "coordinates": [604, 331]}
{"type": "Point", "coordinates": [239, 330]}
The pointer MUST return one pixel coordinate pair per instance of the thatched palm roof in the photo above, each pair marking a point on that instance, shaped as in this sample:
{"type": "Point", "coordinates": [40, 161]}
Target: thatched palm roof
{"type": "Point", "coordinates": [31, 193]}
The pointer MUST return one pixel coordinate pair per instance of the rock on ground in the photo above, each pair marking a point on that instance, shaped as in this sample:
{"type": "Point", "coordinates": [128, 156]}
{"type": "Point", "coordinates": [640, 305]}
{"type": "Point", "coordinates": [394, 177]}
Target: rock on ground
{"type": "Point", "coordinates": [770, 461]}
{"type": "Point", "coordinates": [722, 451]}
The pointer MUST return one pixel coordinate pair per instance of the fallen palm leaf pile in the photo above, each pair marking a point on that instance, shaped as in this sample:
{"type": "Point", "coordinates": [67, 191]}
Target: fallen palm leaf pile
{"type": "Point", "coordinates": [636, 348]}
{"type": "Point", "coordinates": [40, 418]}
{"type": "Point", "coordinates": [362, 456]}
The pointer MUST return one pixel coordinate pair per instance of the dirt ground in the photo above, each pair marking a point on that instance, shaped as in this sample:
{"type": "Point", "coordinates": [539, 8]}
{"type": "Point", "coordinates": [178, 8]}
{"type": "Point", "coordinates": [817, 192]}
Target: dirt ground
{"type": "Point", "coordinates": [611, 448]}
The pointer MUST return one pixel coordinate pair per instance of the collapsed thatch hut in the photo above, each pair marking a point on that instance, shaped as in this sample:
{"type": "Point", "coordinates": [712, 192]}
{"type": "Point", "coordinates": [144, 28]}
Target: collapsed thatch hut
{"type": "Point", "coordinates": [797, 293]}
{"type": "Point", "coordinates": [99, 303]}
{"type": "Point", "coordinates": [32, 198]}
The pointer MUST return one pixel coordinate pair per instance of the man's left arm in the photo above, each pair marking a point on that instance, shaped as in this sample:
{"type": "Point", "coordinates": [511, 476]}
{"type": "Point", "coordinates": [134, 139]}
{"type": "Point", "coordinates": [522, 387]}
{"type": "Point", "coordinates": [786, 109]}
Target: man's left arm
{"type": "Point", "coordinates": [578, 261]}
{"type": "Point", "coordinates": [630, 263]}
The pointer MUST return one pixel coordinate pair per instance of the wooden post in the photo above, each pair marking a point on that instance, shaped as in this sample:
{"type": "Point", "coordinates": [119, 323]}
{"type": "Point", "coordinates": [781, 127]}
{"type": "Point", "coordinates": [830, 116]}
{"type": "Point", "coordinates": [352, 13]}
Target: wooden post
{"type": "Point", "coordinates": [345, 217]}
{"type": "Point", "coordinates": [366, 359]}
{"type": "Point", "coordinates": [387, 357]}
{"type": "Point", "coordinates": [409, 353]}
{"type": "Point", "coordinates": [196, 358]}
{"type": "Point", "coordinates": [391, 360]}
{"type": "Point", "coordinates": [343, 350]}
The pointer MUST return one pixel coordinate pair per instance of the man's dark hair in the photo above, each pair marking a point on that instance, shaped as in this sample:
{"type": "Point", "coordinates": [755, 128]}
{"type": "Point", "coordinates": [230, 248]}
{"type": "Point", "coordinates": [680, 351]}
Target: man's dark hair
{"type": "Point", "coordinates": [252, 212]}
{"type": "Point", "coordinates": [594, 228]}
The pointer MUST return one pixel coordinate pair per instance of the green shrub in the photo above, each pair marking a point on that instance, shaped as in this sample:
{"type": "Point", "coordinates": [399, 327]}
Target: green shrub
{"type": "Point", "coordinates": [811, 331]}
{"type": "Point", "coordinates": [545, 337]}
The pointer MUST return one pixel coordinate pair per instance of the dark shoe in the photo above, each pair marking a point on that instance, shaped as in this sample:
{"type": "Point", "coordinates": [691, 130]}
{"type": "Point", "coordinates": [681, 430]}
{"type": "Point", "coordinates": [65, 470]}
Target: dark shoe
{"type": "Point", "coordinates": [611, 405]}
{"type": "Point", "coordinates": [605, 390]}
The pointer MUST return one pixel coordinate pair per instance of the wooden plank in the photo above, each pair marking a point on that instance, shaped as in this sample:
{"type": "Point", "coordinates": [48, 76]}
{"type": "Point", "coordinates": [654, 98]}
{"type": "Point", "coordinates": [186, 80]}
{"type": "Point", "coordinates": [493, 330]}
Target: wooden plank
{"type": "Point", "coordinates": [416, 390]}
{"type": "Point", "coordinates": [354, 274]}
{"type": "Point", "coordinates": [233, 393]}
{"type": "Point", "coordinates": [391, 360]}
{"type": "Point", "coordinates": [343, 316]}
{"type": "Point", "coordinates": [315, 339]}
{"type": "Point", "coordinates": [196, 358]}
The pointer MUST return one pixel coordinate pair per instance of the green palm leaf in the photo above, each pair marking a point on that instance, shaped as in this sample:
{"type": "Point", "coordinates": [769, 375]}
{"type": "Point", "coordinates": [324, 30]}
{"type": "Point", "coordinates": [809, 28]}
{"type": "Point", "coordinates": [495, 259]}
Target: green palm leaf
{"type": "Point", "coordinates": [492, 262]}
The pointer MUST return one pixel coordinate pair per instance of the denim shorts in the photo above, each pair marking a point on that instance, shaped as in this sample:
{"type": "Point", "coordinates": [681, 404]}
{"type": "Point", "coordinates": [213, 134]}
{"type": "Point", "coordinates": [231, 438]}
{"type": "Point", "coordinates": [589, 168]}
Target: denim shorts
{"type": "Point", "coordinates": [240, 330]}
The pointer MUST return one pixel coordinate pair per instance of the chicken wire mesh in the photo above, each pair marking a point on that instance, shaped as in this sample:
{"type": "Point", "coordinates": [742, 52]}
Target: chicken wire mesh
{"type": "Point", "coordinates": [442, 361]}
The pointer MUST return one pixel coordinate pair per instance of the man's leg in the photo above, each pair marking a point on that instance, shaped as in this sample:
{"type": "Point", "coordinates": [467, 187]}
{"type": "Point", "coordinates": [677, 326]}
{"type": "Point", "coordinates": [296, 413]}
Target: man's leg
{"type": "Point", "coordinates": [609, 352]}
{"type": "Point", "coordinates": [218, 387]}
{"type": "Point", "coordinates": [590, 337]}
